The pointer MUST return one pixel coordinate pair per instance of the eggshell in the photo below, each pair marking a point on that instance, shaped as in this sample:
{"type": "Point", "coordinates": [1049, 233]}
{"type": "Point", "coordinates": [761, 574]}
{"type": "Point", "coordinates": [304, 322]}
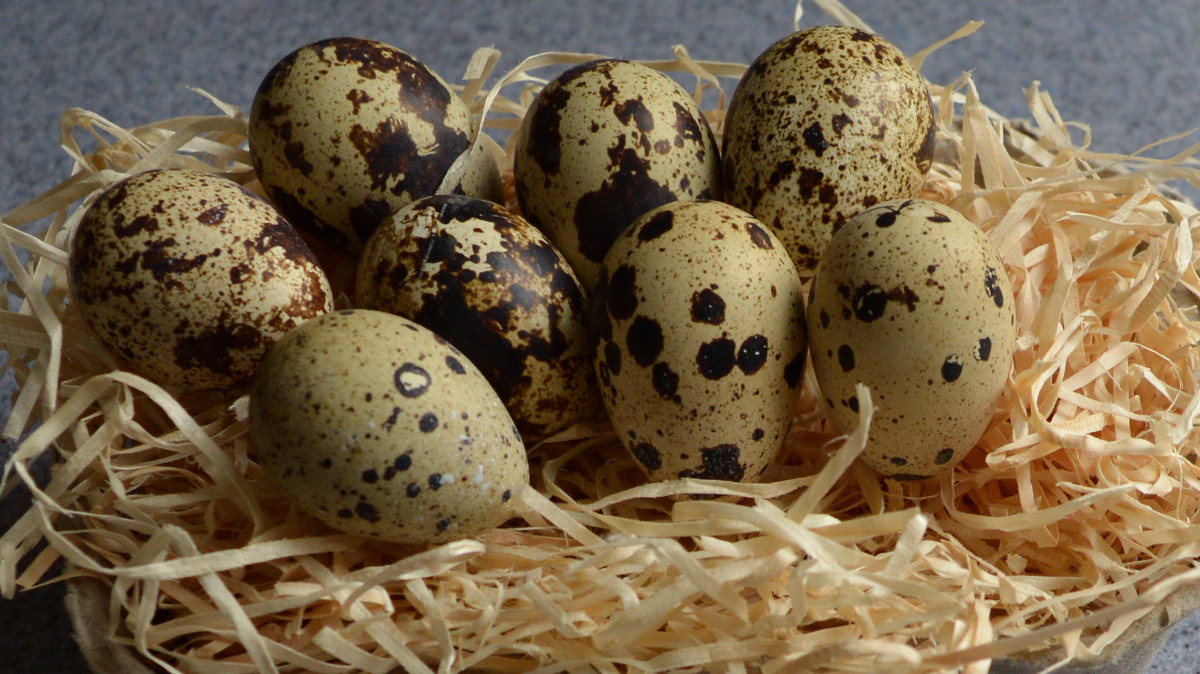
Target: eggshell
{"type": "Point", "coordinates": [603, 143]}
{"type": "Point", "coordinates": [825, 122]}
{"type": "Point", "coordinates": [188, 279]}
{"type": "Point", "coordinates": [912, 299]}
{"type": "Point", "coordinates": [345, 131]}
{"type": "Point", "coordinates": [699, 341]}
{"type": "Point", "coordinates": [497, 289]}
{"type": "Point", "coordinates": [378, 427]}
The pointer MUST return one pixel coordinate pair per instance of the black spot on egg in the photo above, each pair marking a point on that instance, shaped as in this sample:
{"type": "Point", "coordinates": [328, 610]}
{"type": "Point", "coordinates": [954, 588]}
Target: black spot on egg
{"type": "Point", "coordinates": [758, 434]}
{"type": "Point", "coordinates": [991, 285]}
{"type": "Point", "coordinates": [428, 422]}
{"type": "Point", "coordinates": [814, 138]}
{"type": "Point", "coordinates": [647, 454]}
{"type": "Point", "coordinates": [658, 224]}
{"type": "Point", "coordinates": [366, 511]}
{"type": "Point", "coordinates": [984, 350]}
{"type": "Point", "coordinates": [716, 359]}
{"type": "Point", "coordinates": [612, 357]}
{"type": "Point", "coordinates": [708, 307]}
{"type": "Point", "coordinates": [506, 496]}
{"type": "Point", "coordinates": [845, 356]}
{"type": "Point", "coordinates": [852, 403]}
{"type": "Point", "coordinates": [370, 476]}
{"type": "Point", "coordinates": [752, 354]}
{"type": "Point", "coordinates": [435, 481]}
{"type": "Point", "coordinates": [621, 295]}
{"type": "Point", "coordinates": [412, 380]}
{"type": "Point", "coordinates": [443, 524]}
{"type": "Point", "coordinates": [886, 219]}
{"type": "Point", "coordinates": [938, 217]}
{"type": "Point", "coordinates": [793, 372]}
{"type": "Point", "coordinates": [644, 340]}
{"type": "Point", "coordinates": [951, 368]}
{"type": "Point", "coordinates": [759, 236]}
{"type": "Point", "coordinates": [943, 457]}
{"type": "Point", "coordinates": [412, 490]}
{"type": "Point", "coordinates": [824, 318]}
{"type": "Point", "coordinates": [665, 381]}
{"type": "Point", "coordinates": [455, 366]}
{"type": "Point", "coordinates": [718, 463]}
{"type": "Point", "coordinates": [869, 302]}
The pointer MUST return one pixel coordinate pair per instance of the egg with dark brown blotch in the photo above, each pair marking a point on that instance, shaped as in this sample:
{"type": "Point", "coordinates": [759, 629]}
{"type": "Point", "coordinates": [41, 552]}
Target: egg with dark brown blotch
{"type": "Point", "coordinates": [378, 427]}
{"type": "Point", "coordinates": [187, 278]}
{"type": "Point", "coordinates": [824, 123]}
{"type": "Point", "coordinates": [603, 143]}
{"type": "Point", "coordinates": [497, 289]}
{"type": "Point", "coordinates": [345, 131]}
{"type": "Point", "coordinates": [698, 335]}
{"type": "Point", "coordinates": [912, 299]}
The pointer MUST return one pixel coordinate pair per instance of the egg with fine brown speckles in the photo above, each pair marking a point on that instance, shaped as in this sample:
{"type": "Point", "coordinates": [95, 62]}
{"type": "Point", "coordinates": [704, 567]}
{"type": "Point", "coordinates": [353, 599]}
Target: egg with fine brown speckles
{"type": "Point", "coordinates": [698, 341]}
{"type": "Point", "coordinates": [912, 299]}
{"type": "Point", "coordinates": [345, 131]}
{"type": "Point", "coordinates": [603, 143]}
{"type": "Point", "coordinates": [378, 427]}
{"type": "Point", "coordinates": [187, 278]}
{"type": "Point", "coordinates": [824, 123]}
{"type": "Point", "coordinates": [495, 287]}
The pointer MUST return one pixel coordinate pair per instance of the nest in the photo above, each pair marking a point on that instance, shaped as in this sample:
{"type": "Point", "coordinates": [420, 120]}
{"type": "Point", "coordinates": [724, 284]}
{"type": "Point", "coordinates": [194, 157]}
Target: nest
{"type": "Point", "coordinates": [1077, 513]}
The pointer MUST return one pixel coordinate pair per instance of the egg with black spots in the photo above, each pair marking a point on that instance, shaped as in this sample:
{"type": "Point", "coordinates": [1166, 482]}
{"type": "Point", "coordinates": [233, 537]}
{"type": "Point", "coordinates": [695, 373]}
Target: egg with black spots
{"type": "Point", "coordinates": [345, 131]}
{"type": "Point", "coordinates": [495, 287]}
{"type": "Point", "coordinates": [378, 427]}
{"type": "Point", "coordinates": [824, 123]}
{"type": "Point", "coordinates": [698, 337]}
{"type": "Point", "coordinates": [912, 299]}
{"type": "Point", "coordinates": [603, 143]}
{"type": "Point", "coordinates": [187, 278]}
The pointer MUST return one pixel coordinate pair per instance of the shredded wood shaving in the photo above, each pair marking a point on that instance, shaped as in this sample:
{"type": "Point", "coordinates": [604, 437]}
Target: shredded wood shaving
{"type": "Point", "coordinates": [1077, 513]}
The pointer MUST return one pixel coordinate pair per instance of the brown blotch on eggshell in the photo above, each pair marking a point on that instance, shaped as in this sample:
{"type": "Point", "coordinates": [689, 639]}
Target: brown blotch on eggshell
{"type": "Point", "coordinates": [345, 131]}
{"type": "Point", "coordinates": [698, 335]}
{"type": "Point", "coordinates": [912, 300]}
{"type": "Point", "coordinates": [824, 123]}
{"type": "Point", "coordinates": [188, 279]}
{"type": "Point", "coordinates": [603, 143]}
{"type": "Point", "coordinates": [495, 287]}
{"type": "Point", "coordinates": [378, 427]}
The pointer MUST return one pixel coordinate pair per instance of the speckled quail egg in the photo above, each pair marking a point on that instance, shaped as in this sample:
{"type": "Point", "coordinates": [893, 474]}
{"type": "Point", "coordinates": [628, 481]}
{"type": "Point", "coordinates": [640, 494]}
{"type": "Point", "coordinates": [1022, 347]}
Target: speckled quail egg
{"type": "Point", "coordinates": [345, 131]}
{"type": "Point", "coordinates": [912, 299]}
{"type": "Point", "coordinates": [699, 341]}
{"type": "Point", "coordinates": [603, 143]}
{"type": "Point", "coordinates": [826, 122]}
{"type": "Point", "coordinates": [187, 278]}
{"type": "Point", "coordinates": [378, 427]}
{"type": "Point", "coordinates": [493, 286]}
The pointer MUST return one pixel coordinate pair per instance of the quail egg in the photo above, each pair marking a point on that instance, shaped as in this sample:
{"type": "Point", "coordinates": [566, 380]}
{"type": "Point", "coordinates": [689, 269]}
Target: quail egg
{"type": "Point", "coordinates": [378, 427]}
{"type": "Point", "coordinates": [912, 299]}
{"type": "Point", "coordinates": [603, 143]}
{"type": "Point", "coordinates": [824, 123]}
{"type": "Point", "coordinates": [345, 131]}
{"type": "Point", "coordinates": [187, 278]}
{"type": "Point", "coordinates": [494, 286]}
{"type": "Point", "coordinates": [699, 341]}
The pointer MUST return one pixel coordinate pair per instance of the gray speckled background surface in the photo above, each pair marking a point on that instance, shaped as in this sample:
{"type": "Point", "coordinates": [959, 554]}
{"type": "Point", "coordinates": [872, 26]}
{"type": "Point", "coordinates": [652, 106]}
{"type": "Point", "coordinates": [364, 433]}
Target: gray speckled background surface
{"type": "Point", "coordinates": [1126, 69]}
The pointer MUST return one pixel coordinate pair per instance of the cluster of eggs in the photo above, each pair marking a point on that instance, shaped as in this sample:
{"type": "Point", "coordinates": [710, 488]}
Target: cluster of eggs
{"type": "Point", "coordinates": [650, 273]}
